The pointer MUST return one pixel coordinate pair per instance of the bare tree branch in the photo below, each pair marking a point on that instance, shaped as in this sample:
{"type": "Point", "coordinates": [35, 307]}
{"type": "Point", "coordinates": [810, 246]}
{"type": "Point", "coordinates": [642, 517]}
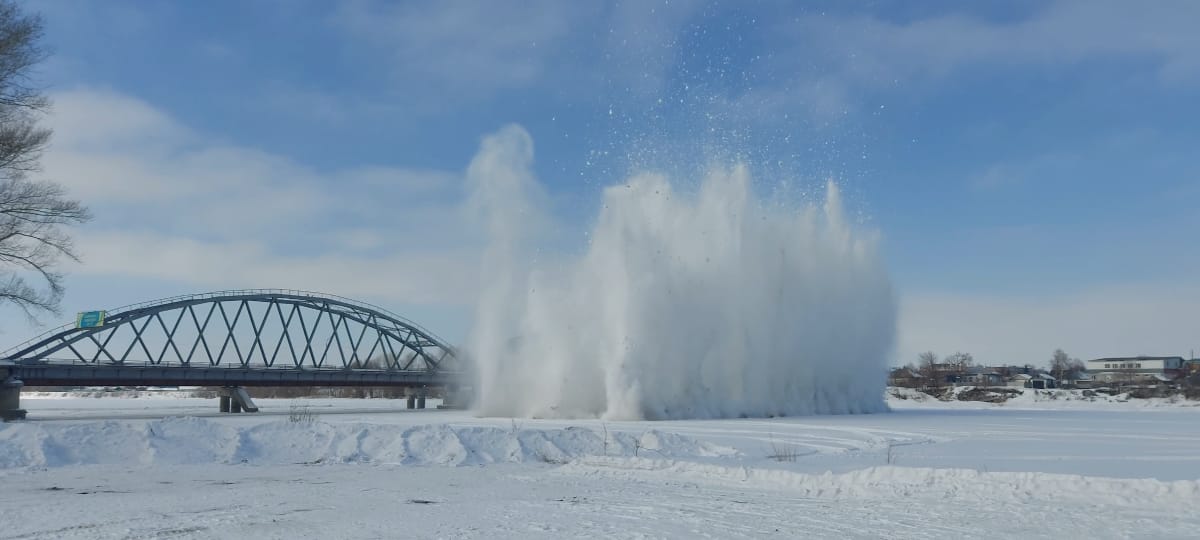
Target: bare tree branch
{"type": "Point", "coordinates": [34, 214]}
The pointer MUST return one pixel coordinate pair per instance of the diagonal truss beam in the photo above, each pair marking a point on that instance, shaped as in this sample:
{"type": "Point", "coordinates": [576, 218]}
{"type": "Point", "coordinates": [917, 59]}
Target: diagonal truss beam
{"type": "Point", "coordinates": [400, 343]}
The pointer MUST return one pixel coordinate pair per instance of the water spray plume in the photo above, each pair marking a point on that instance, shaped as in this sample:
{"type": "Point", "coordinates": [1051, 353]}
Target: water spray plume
{"type": "Point", "coordinates": [684, 305]}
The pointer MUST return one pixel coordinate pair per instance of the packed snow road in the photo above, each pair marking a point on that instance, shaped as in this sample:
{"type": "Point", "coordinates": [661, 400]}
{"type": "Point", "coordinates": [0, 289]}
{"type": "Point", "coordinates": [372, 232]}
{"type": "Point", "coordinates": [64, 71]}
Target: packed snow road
{"type": "Point", "coordinates": [927, 470]}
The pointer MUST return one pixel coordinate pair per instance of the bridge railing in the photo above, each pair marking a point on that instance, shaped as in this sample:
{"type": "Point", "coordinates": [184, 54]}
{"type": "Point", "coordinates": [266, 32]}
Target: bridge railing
{"type": "Point", "coordinates": [66, 361]}
{"type": "Point", "coordinates": [231, 292]}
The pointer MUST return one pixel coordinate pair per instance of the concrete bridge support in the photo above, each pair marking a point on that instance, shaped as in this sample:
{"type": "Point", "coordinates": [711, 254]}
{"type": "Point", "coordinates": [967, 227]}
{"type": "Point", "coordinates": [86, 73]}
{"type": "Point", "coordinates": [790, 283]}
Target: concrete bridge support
{"type": "Point", "coordinates": [416, 397]}
{"type": "Point", "coordinates": [235, 399]}
{"type": "Point", "coordinates": [10, 397]}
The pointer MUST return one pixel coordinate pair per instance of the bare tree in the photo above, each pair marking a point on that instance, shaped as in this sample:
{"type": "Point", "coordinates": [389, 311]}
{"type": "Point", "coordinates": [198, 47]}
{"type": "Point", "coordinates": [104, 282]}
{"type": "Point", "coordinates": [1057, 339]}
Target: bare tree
{"type": "Point", "coordinates": [1061, 365]}
{"type": "Point", "coordinates": [928, 362]}
{"type": "Point", "coordinates": [33, 214]}
{"type": "Point", "coordinates": [960, 360]}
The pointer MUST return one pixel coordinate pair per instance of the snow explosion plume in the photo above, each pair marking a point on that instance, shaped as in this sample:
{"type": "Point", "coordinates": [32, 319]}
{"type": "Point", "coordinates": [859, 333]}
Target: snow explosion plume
{"type": "Point", "coordinates": [684, 305]}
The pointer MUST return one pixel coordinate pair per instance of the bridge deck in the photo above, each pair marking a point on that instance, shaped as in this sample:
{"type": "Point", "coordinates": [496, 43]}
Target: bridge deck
{"type": "Point", "coordinates": [49, 374]}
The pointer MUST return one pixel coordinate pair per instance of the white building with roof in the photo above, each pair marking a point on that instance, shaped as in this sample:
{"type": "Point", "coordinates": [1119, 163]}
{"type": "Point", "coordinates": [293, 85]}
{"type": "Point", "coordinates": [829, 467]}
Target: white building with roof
{"type": "Point", "coordinates": [1136, 369]}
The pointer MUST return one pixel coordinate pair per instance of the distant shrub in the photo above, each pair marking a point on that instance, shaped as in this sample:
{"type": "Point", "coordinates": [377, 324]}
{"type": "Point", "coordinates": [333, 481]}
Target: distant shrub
{"type": "Point", "coordinates": [784, 453]}
{"type": "Point", "coordinates": [1152, 392]}
{"type": "Point", "coordinates": [943, 393]}
{"type": "Point", "coordinates": [300, 414]}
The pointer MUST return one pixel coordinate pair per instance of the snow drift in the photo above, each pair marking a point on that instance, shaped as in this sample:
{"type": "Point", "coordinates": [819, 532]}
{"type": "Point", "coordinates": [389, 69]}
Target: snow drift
{"type": "Point", "coordinates": [195, 441]}
{"type": "Point", "coordinates": [684, 305]}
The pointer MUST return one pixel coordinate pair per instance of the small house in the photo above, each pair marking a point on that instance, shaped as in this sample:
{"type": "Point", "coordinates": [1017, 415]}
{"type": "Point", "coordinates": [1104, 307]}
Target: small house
{"type": "Point", "coordinates": [1042, 381]}
{"type": "Point", "coordinates": [1038, 381]}
{"type": "Point", "coordinates": [981, 376]}
{"type": "Point", "coordinates": [1020, 380]}
{"type": "Point", "coordinates": [905, 378]}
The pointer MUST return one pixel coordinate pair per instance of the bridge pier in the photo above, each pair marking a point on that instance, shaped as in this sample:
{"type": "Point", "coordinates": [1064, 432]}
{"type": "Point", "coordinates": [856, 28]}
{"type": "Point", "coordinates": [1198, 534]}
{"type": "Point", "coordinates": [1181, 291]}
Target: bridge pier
{"type": "Point", "coordinates": [10, 398]}
{"type": "Point", "coordinates": [416, 397]}
{"type": "Point", "coordinates": [235, 399]}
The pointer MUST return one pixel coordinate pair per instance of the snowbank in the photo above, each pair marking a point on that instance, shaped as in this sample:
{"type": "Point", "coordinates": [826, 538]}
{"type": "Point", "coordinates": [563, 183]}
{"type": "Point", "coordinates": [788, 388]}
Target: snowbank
{"type": "Point", "coordinates": [1070, 398]}
{"type": "Point", "coordinates": [193, 441]}
{"type": "Point", "coordinates": [974, 397]}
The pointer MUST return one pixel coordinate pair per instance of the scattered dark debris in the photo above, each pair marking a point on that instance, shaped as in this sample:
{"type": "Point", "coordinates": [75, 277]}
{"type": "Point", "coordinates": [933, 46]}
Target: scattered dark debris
{"type": "Point", "coordinates": [989, 395]}
{"type": "Point", "coordinates": [182, 531]}
{"type": "Point", "coordinates": [85, 492]}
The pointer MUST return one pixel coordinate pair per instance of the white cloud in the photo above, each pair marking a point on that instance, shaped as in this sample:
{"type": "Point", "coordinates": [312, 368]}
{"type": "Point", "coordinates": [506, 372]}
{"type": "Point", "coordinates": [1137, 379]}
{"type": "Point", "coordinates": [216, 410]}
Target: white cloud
{"type": "Point", "coordinates": [174, 205]}
{"type": "Point", "coordinates": [445, 53]}
{"type": "Point", "coordinates": [465, 47]}
{"type": "Point", "coordinates": [824, 60]}
{"type": "Point", "coordinates": [872, 49]}
{"type": "Point", "coordinates": [432, 277]}
{"type": "Point", "coordinates": [112, 150]}
{"type": "Point", "coordinates": [994, 177]}
{"type": "Point", "coordinates": [96, 119]}
{"type": "Point", "coordinates": [1042, 168]}
{"type": "Point", "coordinates": [1120, 320]}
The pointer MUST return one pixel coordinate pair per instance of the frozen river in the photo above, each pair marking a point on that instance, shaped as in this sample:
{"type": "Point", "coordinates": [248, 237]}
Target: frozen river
{"type": "Point", "coordinates": [116, 468]}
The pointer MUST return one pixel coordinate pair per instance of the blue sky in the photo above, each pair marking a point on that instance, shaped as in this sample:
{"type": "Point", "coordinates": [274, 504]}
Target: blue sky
{"type": "Point", "coordinates": [1031, 165]}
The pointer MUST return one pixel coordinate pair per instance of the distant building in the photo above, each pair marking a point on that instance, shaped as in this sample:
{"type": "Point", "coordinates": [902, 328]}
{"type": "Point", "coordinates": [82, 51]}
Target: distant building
{"type": "Point", "coordinates": [1020, 380]}
{"type": "Point", "coordinates": [981, 376]}
{"type": "Point", "coordinates": [1077, 379]}
{"type": "Point", "coordinates": [905, 378]}
{"type": "Point", "coordinates": [1042, 381]}
{"type": "Point", "coordinates": [943, 374]}
{"type": "Point", "coordinates": [1137, 369]}
{"type": "Point", "coordinates": [1037, 381]}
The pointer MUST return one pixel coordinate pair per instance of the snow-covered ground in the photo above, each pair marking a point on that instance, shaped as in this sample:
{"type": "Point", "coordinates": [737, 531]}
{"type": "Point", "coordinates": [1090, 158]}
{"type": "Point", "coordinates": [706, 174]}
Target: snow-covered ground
{"type": "Point", "coordinates": [1036, 399]}
{"type": "Point", "coordinates": [1106, 469]}
{"type": "Point", "coordinates": [152, 405]}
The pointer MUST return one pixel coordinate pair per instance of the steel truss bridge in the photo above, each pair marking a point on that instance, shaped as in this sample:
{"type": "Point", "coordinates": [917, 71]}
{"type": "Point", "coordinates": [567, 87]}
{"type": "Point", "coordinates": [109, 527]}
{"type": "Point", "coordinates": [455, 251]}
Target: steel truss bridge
{"type": "Point", "coordinates": [261, 337]}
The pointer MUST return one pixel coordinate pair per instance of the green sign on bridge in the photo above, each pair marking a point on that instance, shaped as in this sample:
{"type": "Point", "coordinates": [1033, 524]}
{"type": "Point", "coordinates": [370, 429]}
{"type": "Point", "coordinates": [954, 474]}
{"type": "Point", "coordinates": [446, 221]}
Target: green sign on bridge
{"type": "Point", "coordinates": [90, 319]}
